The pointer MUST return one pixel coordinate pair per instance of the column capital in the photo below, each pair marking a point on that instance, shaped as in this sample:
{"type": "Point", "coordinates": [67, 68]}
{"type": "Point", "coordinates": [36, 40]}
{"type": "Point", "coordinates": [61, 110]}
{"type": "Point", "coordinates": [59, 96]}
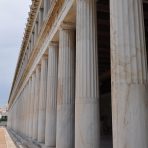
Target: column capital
{"type": "Point", "coordinates": [33, 73]}
{"type": "Point", "coordinates": [67, 26]}
{"type": "Point", "coordinates": [53, 43]}
{"type": "Point", "coordinates": [45, 56]}
{"type": "Point", "coordinates": [38, 66]}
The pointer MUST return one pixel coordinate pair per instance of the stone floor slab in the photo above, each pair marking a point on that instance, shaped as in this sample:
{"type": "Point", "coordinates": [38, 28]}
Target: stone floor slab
{"type": "Point", "coordinates": [5, 139]}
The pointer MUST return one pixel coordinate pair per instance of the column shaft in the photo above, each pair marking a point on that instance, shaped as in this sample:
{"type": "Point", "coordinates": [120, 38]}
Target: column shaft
{"type": "Point", "coordinates": [129, 74]}
{"type": "Point", "coordinates": [32, 103]}
{"type": "Point", "coordinates": [46, 7]}
{"type": "Point", "coordinates": [40, 22]}
{"type": "Point", "coordinates": [51, 105]}
{"type": "Point", "coordinates": [87, 134]}
{"type": "Point", "coordinates": [30, 118]}
{"type": "Point", "coordinates": [66, 90]}
{"type": "Point", "coordinates": [42, 100]}
{"type": "Point", "coordinates": [36, 108]}
{"type": "Point", "coordinates": [28, 102]}
{"type": "Point", "coordinates": [36, 32]}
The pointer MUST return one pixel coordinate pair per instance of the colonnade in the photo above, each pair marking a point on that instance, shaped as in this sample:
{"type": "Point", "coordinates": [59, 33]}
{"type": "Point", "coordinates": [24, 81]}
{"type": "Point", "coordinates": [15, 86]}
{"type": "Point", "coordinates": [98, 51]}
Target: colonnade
{"type": "Point", "coordinates": [59, 106]}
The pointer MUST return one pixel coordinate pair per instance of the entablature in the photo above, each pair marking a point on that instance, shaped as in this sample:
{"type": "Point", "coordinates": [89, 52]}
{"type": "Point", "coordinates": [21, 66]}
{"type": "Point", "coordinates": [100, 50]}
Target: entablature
{"type": "Point", "coordinates": [46, 26]}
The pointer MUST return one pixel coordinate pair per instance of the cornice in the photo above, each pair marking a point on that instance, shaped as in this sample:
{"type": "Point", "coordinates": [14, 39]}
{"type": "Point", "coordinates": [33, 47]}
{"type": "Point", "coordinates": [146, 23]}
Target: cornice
{"type": "Point", "coordinates": [27, 32]}
{"type": "Point", "coordinates": [46, 28]}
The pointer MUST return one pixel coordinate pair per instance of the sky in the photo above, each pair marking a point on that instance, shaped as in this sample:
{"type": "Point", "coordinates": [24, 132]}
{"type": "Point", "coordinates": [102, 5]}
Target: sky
{"type": "Point", "coordinates": [13, 19]}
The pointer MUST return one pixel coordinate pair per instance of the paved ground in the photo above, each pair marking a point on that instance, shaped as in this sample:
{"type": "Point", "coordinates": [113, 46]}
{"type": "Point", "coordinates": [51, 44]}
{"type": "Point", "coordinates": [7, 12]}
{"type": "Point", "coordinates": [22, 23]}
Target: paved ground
{"type": "Point", "coordinates": [5, 139]}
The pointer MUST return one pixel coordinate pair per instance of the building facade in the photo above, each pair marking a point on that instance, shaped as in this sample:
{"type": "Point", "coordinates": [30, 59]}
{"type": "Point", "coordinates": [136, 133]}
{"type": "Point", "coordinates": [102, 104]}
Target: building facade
{"type": "Point", "coordinates": [81, 79]}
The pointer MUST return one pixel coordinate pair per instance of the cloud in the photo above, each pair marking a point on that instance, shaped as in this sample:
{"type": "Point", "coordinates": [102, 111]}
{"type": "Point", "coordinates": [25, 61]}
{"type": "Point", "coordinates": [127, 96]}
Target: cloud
{"type": "Point", "coordinates": [13, 17]}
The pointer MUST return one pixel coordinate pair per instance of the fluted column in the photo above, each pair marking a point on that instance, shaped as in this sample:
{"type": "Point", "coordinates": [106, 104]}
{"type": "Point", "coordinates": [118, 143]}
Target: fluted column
{"type": "Point", "coordinates": [42, 100]}
{"type": "Point", "coordinates": [30, 118]}
{"type": "Point", "coordinates": [24, 104]}
{"type": "Point", "coordinates": [18, 110]}
{"type": "Point", "coordinates": [36, 108]}
{"type": "Point", "coordinates": [129, 74]}
{"type": "Point", "coordinates": [66, 89]}
{"type": "Point", "coordinates": [23, 111]}
{"type": "Point", "coordinates": [32, 103]}
{"type": "Point", "coordinates": [40, 22]}
{"type": "Point", "coordinates": [51, 105]}
{"type": "Point", "coordinates": [36, 32]}
{"type": "Point", "coordinates": [17, 116]}
{"type": "Point", "coordinates": [22, 114]}
{"type": "Point", "coordinates": [46, 7]}
{"type": "Point", "coordinates": [87, 134]}
{"type": "Point", "coordinates": [27, 109]}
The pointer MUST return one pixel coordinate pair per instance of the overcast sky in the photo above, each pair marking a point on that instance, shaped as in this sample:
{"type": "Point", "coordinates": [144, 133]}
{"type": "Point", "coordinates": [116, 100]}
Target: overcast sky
{"type": "Point", "coordinates": [13, 17]}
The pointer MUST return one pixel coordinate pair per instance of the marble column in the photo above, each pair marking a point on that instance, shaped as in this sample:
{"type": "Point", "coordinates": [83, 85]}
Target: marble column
{"type": "Point", "coordinates": [40, 22]}
{"type": "Point", "coordinates": [46, 7]}
{"type": "Point", "coordinates": [32, 103]}
{"type": "Point", "coordinates": [30, 118]}
{"type": "Point", "coordinates": [20, 116]}
{"type": "Point", "coordinates": [17, 110]}
{"type": "Point", "coordinates": [129, 74]}
{"type": "Point", "coordinates": [24, 111]}
{"type": "Point", "coordinates": [27, 109]}
{"type": "Point", "coordinates": [35, 32]}
{"type": "Point", "coordinates": [66, 89]}
{"type": "Point", "coordinates": [36, 108]}
{"type": "Point", "coordinates": [23, 106]}
{"type": "Point", "coordinates": [32, 41]}
{"type": "Point", "coordinates": [42, 100]}
{"type": "Point", "coordinates": [87, 133]}
{"type": "Point", "coordinates": [51, 105]}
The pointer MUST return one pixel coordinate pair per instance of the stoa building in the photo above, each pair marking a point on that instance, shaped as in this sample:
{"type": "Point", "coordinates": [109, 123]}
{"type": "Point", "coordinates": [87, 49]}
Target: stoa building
{"type": "Point", "coordinates": [81, 79]}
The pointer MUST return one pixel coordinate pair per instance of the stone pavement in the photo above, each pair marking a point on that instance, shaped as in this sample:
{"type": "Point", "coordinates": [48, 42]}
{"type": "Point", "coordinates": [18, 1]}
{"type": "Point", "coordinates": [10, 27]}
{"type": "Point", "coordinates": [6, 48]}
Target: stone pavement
{"type": "Point", "coordinates": [5, 139]}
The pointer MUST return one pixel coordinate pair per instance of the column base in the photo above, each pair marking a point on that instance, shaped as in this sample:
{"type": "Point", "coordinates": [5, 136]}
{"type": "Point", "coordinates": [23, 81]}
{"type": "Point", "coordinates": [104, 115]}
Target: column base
{"type": "Point", "coordinates": [23, 141]}
{"type": "Point", "coordinates": [44, 146]}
